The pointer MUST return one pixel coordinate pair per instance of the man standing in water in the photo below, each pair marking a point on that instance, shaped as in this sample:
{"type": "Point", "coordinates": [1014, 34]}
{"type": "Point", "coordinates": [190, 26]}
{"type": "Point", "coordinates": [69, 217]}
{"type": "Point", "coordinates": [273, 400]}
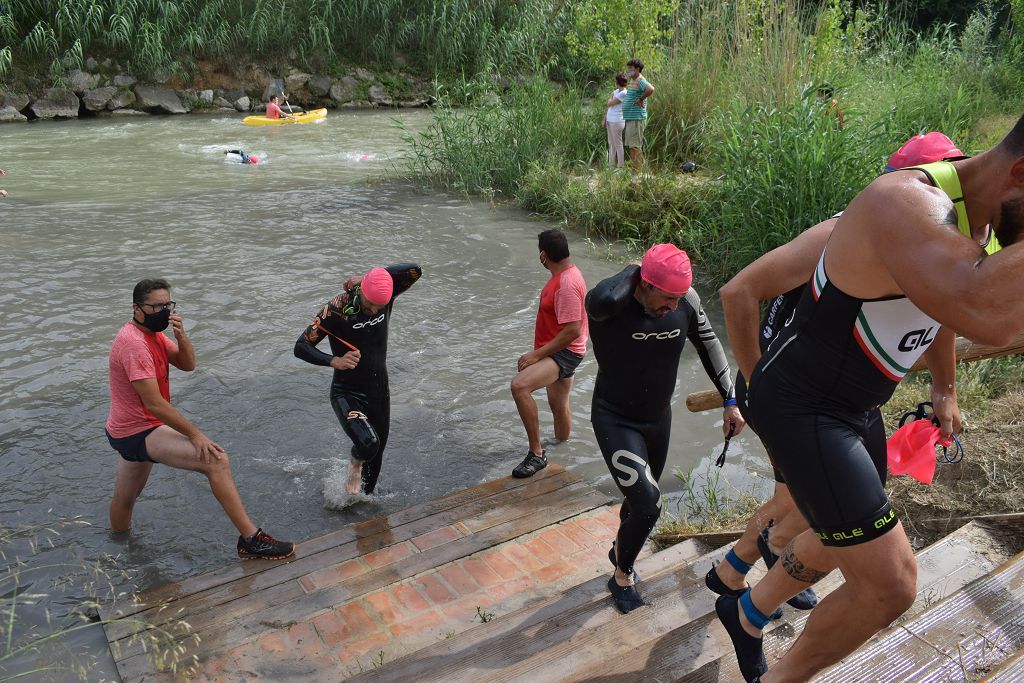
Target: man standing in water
{"type": "Point", "coordinates": [639, 321]}
{"type": "Point", "coordinates": [145, 428]}
{"type": "Point", "coordinates": [356, 323]}
{"type": "Point", "coordinates": [559, 342]}
{"type": "Point", "coordinates": [916, 250]}
{"type": "Point", "coordinates": [634, 111]}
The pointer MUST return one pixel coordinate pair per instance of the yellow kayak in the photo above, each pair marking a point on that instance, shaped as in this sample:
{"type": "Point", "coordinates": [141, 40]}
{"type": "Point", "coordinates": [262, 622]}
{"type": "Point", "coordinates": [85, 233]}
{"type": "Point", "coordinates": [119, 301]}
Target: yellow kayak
{"type": "Point", "coordinates": [311, 115]}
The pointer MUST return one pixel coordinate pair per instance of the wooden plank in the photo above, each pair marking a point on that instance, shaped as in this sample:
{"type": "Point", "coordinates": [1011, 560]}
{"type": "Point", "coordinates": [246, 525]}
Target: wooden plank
{"type": "Point", "coordinates": [465, 655]}
{"type": "Point", "coordinates": [229, 601]}
{"type": "Point", "coordinates": [346, 534]}
{"type": "Point", "coordinates": [1011, 671]}
{"type": "Point", "coordinates": [228, 627]}
{"type": "Point", "coordinates": [473, 513]}
{"type": "Point", "coordinates": [943, 568]}
{"type": "Point", "coordinates": [966, 352]}
{"type": "Point", "coordinates": [712, 539]}
{"type": "Point", "coordinates": [979, 626]}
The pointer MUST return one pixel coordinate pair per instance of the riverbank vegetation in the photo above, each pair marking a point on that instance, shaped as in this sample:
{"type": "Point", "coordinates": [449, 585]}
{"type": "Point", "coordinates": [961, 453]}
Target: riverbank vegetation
{"type": "Point", "coordinates": [745, 90]}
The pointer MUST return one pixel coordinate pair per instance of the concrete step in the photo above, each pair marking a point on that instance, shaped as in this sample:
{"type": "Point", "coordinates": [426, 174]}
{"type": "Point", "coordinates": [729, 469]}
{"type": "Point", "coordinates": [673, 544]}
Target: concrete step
{"type": "Point", "coordinates": [1010, 671]}
{"type": "Point", "coordinates": [943, 568]}
{"type": "Point", "coordinates": [958, 639]}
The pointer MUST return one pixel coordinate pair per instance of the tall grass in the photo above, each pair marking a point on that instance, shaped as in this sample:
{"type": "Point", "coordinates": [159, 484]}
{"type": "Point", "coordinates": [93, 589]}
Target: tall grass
{"type": "Point", "coordinates": [738, 94]}
{"type": "Point", "coordinates": [437, 36]}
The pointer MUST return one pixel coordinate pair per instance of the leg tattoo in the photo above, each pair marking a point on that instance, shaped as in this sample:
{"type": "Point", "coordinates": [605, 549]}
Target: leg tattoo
{"type": "Point", "coordinates": [797, 569]}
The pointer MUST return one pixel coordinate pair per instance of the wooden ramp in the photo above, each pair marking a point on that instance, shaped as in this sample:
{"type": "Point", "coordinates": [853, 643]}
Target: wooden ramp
{"type": "Point", "coordinates": [578, 636]}
{"type": "Point", "coordinates": [370, 592]}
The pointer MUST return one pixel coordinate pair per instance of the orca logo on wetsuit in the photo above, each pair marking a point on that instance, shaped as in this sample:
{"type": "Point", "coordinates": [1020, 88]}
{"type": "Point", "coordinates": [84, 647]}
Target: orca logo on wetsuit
{"type": "Point", "coordinates": [915, 339]}
{"type": "Point", "coordinates": [640, 336]}
{"type": "Point", "coordinates": [376, 320]}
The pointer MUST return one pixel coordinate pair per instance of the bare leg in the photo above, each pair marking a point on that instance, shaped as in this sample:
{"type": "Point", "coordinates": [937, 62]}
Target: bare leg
{"type": "Point", "coordinates": [355, 477]}
{"type": "Point", "coordinates": [173, 449]}
{"type": "Point", "coordinates": [637, 158]}
{"type": "Point", "coordinates": [881, 583]}
{"type": "Point", "coordinates": [558, 400]}
{"type": "Point", "coordinates": [789, 523]}
{"type": "Point", "coordinates": [131, 479]}
{"type": "Point", "coordinates": [540, 374]}
{"type": "Point", "coordinates": [746, 545]}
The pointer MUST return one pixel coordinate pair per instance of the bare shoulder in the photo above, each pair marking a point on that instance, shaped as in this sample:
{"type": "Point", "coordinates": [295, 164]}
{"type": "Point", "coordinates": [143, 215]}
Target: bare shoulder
{"type": "Point", "coordinates": [896, 204]}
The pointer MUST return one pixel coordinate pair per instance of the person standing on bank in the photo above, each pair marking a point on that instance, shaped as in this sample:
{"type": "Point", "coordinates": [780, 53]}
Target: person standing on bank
{"type": "Point", "coordinates": [356, 324]}
{"type": "Point", "coordinates": [639, 321]}
{"type": "Point", "coordinates": [559, 343]}
{"type": "Point", "coordinates": [614, 122]}
{"type": "Point", "coordinates": [634, 111]}
{"type": "Point", "coordinates": [144, 428]}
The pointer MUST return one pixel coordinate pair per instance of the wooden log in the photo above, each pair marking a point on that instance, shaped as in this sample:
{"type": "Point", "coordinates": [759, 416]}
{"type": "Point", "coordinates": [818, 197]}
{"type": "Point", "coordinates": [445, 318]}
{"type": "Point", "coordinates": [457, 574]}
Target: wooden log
{"type": "Point", "coordinates": [966, 352]}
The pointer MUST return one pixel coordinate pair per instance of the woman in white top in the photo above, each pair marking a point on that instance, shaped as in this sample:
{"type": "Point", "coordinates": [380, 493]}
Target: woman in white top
{"type": "Point", "coordinates": [614, 122]}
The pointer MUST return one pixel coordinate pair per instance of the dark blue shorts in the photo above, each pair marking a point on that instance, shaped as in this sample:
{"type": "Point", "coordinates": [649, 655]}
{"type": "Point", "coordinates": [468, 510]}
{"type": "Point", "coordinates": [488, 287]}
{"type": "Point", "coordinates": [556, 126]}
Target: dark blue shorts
{"type": "Point", "coordinates": [132, 448]}
{"type": "Point", "coordinates": [567, 362]}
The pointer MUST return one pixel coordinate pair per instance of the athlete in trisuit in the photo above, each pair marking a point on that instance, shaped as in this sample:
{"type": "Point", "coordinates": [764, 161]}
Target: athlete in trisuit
{"type": "Point", "coordinates": [916, 250]}
{"type": "Point", "coordinates": [639, 321]}
{"type": "Point", "coordinates": [356, 325]}
{"type": "Point", "coordinates": [779, 278]}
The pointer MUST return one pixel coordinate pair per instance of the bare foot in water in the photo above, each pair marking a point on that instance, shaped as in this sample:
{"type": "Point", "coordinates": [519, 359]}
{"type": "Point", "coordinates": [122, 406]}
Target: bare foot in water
{"type": "Point", "coordinates": [354, 485]}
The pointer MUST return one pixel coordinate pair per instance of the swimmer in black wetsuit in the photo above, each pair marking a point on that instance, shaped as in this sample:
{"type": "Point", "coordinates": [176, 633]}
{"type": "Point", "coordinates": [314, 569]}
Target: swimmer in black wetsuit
{"type": "Point", "coordinates": [639, 321]}
{"type": "Point", "coordinates": [356, 325]}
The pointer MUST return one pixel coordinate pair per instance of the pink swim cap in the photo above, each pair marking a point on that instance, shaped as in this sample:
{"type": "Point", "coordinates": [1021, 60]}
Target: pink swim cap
{"type": "Point", "coordinates": [923, 149]}
{"type": "Point", "coordinates": [377, 286]}
{"type": "Point", "coordinates": [667, 267]}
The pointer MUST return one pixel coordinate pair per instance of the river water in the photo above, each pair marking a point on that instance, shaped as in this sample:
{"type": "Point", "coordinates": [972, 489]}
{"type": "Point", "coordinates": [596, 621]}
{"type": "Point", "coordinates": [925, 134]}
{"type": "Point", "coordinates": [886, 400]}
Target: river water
{"type": "Point", "coordinates": [251, 252]}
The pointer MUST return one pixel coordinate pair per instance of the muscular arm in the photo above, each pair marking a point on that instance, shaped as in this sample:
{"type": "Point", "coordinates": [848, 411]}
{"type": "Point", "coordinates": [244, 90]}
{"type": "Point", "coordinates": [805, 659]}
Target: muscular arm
{"type": "Point", "coordinates": [775, 273]}
{"type": "Point", "coordinates": [612, 294]}
{"type": "Point", "coordinates": [404, 276]}
{"type": "Point", "coordinates": [945, 273]}
{"type": "Point", "coordinates": [704, 339]}
{"type": "Point", "coordinates": [941, 360]}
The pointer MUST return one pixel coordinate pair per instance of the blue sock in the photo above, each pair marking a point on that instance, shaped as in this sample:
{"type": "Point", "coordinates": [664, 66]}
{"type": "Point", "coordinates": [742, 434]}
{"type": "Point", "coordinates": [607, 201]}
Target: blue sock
{"type": "Point", "coordinates": [754, 615]}
{"type": "Point", "coordinates": [737, 564]}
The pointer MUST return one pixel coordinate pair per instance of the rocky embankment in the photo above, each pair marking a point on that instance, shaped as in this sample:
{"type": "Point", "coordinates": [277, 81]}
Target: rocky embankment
{"type": "Point", "coordinates": [103, 89]}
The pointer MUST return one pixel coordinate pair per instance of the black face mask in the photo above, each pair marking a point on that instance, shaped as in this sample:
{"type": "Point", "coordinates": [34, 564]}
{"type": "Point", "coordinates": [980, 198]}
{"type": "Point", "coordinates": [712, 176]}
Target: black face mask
{"type": "Point", "coordinates": [156, 322]}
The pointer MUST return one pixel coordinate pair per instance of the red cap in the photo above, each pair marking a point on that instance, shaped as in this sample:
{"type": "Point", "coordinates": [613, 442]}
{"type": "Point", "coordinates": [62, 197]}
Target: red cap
{"type": "Point", "coordinates": [923, 149]}
{"type": "Point", "coordinates": [377, 286]}
{"type": "Point", "coordinates": [667, 267]}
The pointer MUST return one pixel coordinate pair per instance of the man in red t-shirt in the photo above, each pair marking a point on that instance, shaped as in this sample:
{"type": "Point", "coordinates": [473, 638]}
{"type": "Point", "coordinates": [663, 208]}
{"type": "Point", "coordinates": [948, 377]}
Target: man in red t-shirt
{"type": "Point", "coordinates": [144, 428]}
{"type": "Point", "coordinates": [274, 109]}
{"type": "Point", "coordinates": [559, 342]}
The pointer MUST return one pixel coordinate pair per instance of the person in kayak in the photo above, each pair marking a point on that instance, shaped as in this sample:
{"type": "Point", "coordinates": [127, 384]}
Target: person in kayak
{"type": "Point", "coordinates": [274, 108]}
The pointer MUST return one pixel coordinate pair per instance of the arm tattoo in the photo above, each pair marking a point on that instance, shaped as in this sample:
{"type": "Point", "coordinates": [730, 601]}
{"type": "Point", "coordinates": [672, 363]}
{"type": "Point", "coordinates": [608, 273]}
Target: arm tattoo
{"type": "Point", "coordinates": [797, 569]}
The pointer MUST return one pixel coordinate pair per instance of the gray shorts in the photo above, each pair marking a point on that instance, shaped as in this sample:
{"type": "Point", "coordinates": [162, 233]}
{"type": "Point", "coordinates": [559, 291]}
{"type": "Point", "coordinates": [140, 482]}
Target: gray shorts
{"type": "Point", "coordinates": [634, 133]}
{"type": "Point", "coordinates": [567, 362]}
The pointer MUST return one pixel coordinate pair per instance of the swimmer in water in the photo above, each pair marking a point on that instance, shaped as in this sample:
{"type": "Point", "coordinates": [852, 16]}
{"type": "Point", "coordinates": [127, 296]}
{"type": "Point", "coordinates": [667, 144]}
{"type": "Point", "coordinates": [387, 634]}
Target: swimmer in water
{"type": "Point", "coordinates": [243, 157]}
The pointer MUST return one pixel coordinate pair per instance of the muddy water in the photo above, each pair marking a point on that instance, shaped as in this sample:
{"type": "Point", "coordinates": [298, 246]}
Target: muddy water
{"type": "Point", "coordinates": [251, 252]}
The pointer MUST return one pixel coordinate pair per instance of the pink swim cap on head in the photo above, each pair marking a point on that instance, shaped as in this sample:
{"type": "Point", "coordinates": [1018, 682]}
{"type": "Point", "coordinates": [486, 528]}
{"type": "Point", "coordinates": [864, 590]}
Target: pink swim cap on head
{"type": "Point", "coordinates": [667, 267]}
{"type": "Point", "coordinates": [923, 149]}
{"type": "Point", "coordinates": [377, 286]}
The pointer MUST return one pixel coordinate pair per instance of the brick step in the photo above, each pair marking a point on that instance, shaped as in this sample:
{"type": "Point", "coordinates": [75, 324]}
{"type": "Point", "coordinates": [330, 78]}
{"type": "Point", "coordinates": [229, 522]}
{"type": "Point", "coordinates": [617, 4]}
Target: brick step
{"type": "Point", "coordinates": [559, 639]}
{"type": "Point", "coordinates": [343, 594]}
{"type": "Point", "coordinates": [943, 568]}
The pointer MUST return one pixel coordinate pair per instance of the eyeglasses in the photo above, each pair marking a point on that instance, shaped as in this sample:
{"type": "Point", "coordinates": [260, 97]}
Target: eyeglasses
{"type": "Point", "coordinates": [170, 305]}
